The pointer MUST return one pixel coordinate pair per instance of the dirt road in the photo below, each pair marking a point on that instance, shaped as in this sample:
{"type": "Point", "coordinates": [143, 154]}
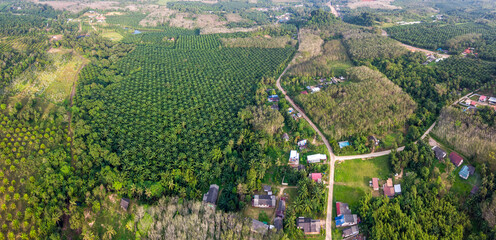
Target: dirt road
{"type": "Point", "coordinates": [416, 49]}
{"type": "Point", "coordinates": [333, 10]}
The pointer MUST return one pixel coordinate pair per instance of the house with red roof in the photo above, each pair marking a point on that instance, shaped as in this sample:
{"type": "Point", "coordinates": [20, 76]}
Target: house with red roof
{"type": "Point", "coordinates": [375, 184]}
{"type": "Point", "coordinates": [482, 98]}
{"type": "Point", "coordinates": [342, 209]}
{"type": "Point", "coordinates": [473, 103]}
{"type": "Point", "coordinates": [456, 159]}
{"type": "Point", "coordinates": [304, 92]}
{"type": "Point", "coordinates": [316, 177]}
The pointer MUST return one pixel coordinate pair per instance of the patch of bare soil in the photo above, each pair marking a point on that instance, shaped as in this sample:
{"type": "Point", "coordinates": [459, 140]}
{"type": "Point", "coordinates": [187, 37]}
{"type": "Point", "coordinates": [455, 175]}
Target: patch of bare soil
{"type": "Point", "coordinates": [212, 30]}
{"type": "Point", "coordinates": [234, 17]}
{"type": "Point", "coordinates": [114, 13]}
{"type": "Point", "coordinates": [310, 45]}
{"type": "Point", "coordinates": [208, 20]}
{"type": "Point", "coordinates": [376, 4]}
{"type": "Point", "coordinates": [80, 5]}
{"type": "Point", "coordinates": [184, 20]}
{"type": "Point", "coordinates": [158, 15]}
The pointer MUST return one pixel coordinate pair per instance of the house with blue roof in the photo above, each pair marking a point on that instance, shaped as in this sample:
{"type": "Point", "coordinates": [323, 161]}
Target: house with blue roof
{"type": "Point", "coordinates": [346, 220]}
{"type": "Point", "coordinates": [464, 173]}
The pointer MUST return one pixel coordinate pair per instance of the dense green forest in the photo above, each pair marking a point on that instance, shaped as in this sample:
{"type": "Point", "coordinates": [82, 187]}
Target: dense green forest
{"type": "Point", "coordinates": [129, 112]}
{"type": "Point", "coordinates": [452, 37]}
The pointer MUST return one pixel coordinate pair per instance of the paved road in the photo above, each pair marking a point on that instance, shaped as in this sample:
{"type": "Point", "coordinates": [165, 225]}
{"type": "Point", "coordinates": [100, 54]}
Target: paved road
{"type": "Point", "coordinates": [329, 149]}
{"type": "Point", "coordinates": [333, 157]}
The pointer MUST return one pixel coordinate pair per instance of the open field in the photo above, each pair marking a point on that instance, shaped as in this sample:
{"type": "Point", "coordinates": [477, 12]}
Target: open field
{"type": "Point", "coordinates": [259, 42]}
{"type": "Point", "coordinates": [352, 178]}
{"type": "Point", "coordinates": [378, 4]}
{"type": "Point", "coordinates": [53, 84]}
{"type": "Point", "coordinates": [114, 36]}
{"type": "Point", "coordinates": [310, 45]}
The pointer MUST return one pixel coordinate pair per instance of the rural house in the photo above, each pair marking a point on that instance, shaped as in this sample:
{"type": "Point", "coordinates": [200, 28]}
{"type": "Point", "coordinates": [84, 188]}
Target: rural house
{"type": "Point", "coordinates": [456, 159]}
{"type": "Point", "coordinates": [464, 172]}
{"type": "Point", "coordinates": [373, 139]}
{"type": "Point", "coordinates": [278, 223]}
{"type": "Point", "coordinates": [342, 209]}
{"type": "Point", "coordinates": [440, 153]}
{"type": "Point", "coordinates": [285, 136]}
{"type": "Point", "coordinates": [124, 203]}
{"type": "Point", "coordinates": [264, 201]}
{"type": "Point", "coordinates": [351, 231]}
{"type": "Point", "coordinates": [211, 195]}
{"type": "Point", "coordinates": [482, 98]}
{"type": "Point", "coordinates": [281, 208]}
{"type": "Point", "coordinates": [302, 144]}
{"type": "Point", "coordinates": [317, 177]}
{"type": "Point", "coordinates": [346, 220]}
{"type": "Point", "coordinates": [375, 184]}
{"type": "Point", "coordinates": [388, 188]}
{"type": "Point", "coordinates": [316, 158]}
{"type": "Point", "coordinates": [259, 227]}
{"type": "Point", "coordinates": [294, 158]}
{"type": "Point", "coordinates": [492, 100]}
{"type": "Point", "coordinates": [308, 225]}
{"type": "Point", "coordinates": [267, 189]}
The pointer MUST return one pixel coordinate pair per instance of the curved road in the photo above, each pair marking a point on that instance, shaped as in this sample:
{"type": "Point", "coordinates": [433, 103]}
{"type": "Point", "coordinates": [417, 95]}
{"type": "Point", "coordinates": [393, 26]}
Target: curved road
{"type": "Point", "coordinates": [333, 157]}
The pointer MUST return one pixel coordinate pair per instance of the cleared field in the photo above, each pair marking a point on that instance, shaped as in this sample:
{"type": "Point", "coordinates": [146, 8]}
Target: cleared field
{"type": "Point", "coordinates": [114, 36]}
{"type": "Point", "coordinates": [352, 178]}
{"type": "Point", "coordinates": [377, 4]}
{"type": "Point", "coordinates": [333, 59]}
{"type": "Point", "coordinates": [310, 45]}
{"type": "Point", "coordinates": [55, 83]}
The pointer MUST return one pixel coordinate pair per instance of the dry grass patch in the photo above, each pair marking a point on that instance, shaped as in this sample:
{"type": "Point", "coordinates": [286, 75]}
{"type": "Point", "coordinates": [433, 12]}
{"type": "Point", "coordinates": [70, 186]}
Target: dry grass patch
{"type": "Point", "coordinates": [158, 15]}
{"type": "Point", "coordinates": [310, 45]}
{"type": "Point", "coordinates": [234, 17]}
{"type": "Point", "coordinates": [260, 42]}
{"type": "Point", "coordinates": [377, 4]}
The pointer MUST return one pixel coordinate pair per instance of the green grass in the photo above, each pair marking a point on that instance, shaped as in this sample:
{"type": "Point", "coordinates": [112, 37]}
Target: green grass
{"type": "Point", "coordinates": [392, 138]}
{"type": "Point", "coordinates": [462, 187]}
{"type": "Point", "coordinates": [352, 178]}
{"type": "Point", "coordinates": [114, 36]}
{"type": "Point", "coordinates": [292, 193]}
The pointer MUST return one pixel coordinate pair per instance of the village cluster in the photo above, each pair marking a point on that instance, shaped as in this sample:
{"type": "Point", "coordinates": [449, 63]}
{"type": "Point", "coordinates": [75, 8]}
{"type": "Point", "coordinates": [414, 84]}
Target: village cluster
{"type": "Point", "coordinates": [323, 82]}
{"type": "Point", "coordinates": [472, 101]}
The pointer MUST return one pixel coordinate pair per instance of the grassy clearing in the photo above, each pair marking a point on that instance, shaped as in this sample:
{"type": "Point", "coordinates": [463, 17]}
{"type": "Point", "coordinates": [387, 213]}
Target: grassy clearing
{"type": "Point", "coordinates": [114, 36]}
{"type": "Point", "coordinates": [352, 178]}
{"type": "Point", "coordinates": [53, 83]}
{"type": "Point", "coordinates": [259, 42]}
{"type": "Point", "coordinates": [253, 212]}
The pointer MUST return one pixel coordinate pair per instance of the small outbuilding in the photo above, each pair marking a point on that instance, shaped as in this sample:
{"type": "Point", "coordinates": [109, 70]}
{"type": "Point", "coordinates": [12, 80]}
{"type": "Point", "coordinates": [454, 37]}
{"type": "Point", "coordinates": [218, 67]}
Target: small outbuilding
{"type": "Point", "coordinates": [285, 136]}
{"type": "Point", "coordinates": [294, 158]}
{"type": "Point", "coordinates": [351, 231]}
{"type": "Point", "coordinates": [492, 100]}
{"type": "Point", "coordinates": [317, 177]}
{"type": "Point", "coordinates": [124, 203]}
{"type": "Point", "coordinates": [342, 209]}
{"type": "Point", "coordinates": [212, 194]}
{"type": "Point", "coordinates": [397, 189]}
{"type": "Point", "coordinates": [278, 223]}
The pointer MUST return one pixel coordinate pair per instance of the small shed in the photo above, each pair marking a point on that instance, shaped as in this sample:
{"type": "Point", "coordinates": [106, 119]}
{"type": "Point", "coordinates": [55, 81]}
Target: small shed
{"type": "Point", "coordinates": [278, 223]}
{"type": "Point", "coordinates": [124, 203]}
{"type": "Point", "coordinates": [351, 231]}
{"type": "Point", "coordinates": [317, 177]}
{"type": "Point", "coordinates": [397, 189]}
{"type": "Point", "coordinates": [285, 136]}
{"type": "Point", "coordinates": [316, 158]}
{"type": "Point", "coordinates": [439, 153]}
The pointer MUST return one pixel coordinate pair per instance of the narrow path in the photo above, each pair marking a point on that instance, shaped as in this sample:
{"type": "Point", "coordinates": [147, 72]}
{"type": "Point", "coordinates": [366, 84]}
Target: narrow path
{"type": "Point", "coordinates": [73, 91]}
{"type": "Point", "coordinates": [416, 49]}
{"type": "Point", "coordinates": [333, 10]}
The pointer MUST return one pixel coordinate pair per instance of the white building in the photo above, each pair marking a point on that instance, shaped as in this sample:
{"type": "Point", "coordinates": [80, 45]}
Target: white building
{"type": "Point", "coordinates": [316, 158]}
